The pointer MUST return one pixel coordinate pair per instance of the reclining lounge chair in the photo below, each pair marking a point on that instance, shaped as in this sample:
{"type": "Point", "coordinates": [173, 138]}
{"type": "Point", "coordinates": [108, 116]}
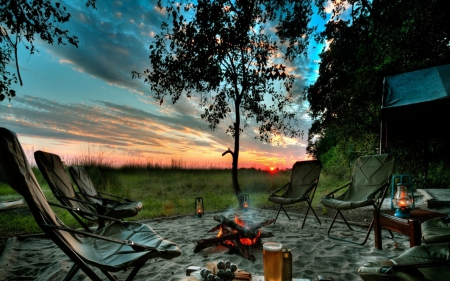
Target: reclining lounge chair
{"type": "Point", "coordinates": [116, 247]}
{"type": "Point", "coordinates": [302, 187]}
{"type": "Point", "coordinates": [368, 186]}
{"type": "Point", "coordinates": [419, 263]}
{"type": "Point", "coordinates": [436, 230]}
{"type": "Point", "coordinates": [118, 207]}
{"type": "Point", "coordinates": [59, 182]}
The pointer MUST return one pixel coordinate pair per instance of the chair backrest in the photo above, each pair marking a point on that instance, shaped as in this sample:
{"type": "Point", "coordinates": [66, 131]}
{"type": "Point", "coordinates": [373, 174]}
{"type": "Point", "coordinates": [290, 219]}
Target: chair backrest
{"type": "Point", "coordinates": [53, 171]}
{"type": "Point", "coordinates": [82, 180]}
{"type": "Point", "coordinates": [304, 176]}
{"type": "Point", "coordinates": [20, 177]}
{"type": "Point", "coordinates": [370, 173]}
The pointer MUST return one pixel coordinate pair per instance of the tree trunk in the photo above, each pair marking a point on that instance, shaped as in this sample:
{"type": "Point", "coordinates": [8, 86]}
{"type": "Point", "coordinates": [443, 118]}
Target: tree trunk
{"type": "Point", "coordinates": [234, 167]}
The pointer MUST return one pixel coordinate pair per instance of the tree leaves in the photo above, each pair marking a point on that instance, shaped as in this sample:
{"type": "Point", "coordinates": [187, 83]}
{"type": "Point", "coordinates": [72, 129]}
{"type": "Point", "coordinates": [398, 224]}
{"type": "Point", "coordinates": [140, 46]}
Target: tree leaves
{"type": "Point", "coordinates": [20, 22]}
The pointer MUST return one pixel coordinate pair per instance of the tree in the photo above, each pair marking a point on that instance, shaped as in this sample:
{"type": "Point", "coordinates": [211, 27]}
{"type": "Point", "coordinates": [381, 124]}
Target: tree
{"type": "Point", "coordinates": [378, 39]}
{"type": "Point", "coordinates": [219, 52]}
{"type": "Point", "coordinates": [20, 22]}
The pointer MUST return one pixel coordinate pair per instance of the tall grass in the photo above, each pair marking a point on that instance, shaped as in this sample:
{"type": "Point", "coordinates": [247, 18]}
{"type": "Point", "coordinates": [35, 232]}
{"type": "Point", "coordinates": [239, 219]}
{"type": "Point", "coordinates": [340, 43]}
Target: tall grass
{"type": "Point", "coordinates": [164, 191]}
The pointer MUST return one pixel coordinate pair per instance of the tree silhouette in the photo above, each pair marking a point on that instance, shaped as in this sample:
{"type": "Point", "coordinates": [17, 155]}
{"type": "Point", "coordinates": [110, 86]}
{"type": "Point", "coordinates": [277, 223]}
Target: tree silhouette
{"type": "Point", "coordinates": [220, 53]}
{"type": "Point", "coordinates": [20, 22]}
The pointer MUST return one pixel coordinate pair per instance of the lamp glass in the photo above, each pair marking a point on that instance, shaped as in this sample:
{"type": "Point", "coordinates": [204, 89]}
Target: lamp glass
{"type": "Point", "coordinates": [199, 208]}
{"type": "Point", "coordinates": [402, 196]}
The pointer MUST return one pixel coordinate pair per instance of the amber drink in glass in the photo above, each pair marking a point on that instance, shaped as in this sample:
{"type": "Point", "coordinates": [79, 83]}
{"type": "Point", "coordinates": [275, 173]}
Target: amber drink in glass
{"type": "Point", "coordinates": [272, 261]}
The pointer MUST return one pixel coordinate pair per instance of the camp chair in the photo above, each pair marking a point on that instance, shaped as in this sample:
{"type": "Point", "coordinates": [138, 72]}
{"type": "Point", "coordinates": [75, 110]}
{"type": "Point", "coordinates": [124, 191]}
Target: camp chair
{"type": "Point", "coordinates": [59, 182]}
{"type": "Point", "coordinates": [368, 187]}
{"type": "Point", "coordinates": [419, 263]}
{"type": "Point", "coordinates": [436, 230]}
{"type": "Point", "coordinates": [302, 187]}
{"type": "Point", "coordinates": [118, 207]}
{"type": "Point", "coordinates": [116, 247]}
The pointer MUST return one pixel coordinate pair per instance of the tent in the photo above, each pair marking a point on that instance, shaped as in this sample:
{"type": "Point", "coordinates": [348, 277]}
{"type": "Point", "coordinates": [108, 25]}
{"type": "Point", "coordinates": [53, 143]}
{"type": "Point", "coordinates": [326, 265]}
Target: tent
{"type": "Point", "coordinates": [416, 105]}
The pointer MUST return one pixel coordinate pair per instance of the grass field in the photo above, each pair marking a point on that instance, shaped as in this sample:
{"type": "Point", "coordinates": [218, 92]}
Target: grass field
{"type": "Point", "coordinates": [163, 192]}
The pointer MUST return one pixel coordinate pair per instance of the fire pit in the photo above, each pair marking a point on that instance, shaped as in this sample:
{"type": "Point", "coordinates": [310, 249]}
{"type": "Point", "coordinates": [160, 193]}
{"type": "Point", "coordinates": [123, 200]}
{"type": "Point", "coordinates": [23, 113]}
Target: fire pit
{"type": "Point", "coordinates": [238, 235]}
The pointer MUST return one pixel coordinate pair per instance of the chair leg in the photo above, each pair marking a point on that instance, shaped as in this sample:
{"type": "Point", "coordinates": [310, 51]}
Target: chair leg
{"type": "Point", "coordinates": [285, 212]}
{"type": "Point", "coordinates": [133, 273]}
{"type": "Point", "coordinates": [337, 238]}
{"type": "Point", "coordinates": [281, 207]}
{"type": "Point", "coordinates": [73, 270]}
{"type": "Point", "coordinates": [307, 211]}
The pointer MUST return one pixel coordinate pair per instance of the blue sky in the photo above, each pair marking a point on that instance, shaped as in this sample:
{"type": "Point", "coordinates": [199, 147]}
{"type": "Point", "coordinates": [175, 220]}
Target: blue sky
{"type": "Point", "coordinates": [82, 102]}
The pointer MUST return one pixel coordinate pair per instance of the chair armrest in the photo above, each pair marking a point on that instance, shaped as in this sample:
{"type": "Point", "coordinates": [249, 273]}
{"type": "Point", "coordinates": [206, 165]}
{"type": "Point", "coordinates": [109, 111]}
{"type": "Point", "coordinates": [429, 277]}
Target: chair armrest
{"type": "Point", "coordinates": [113, 196]}
{"type": "Point", "coordinates": [331, 194]}
{"type": "Point", "coordinates": [421, 265]}
{"type": "Point", "coordinates": [103, 199]}
{"type": "Point", "coordinates": [279, 189]}
{"type": "Point", "coordinates": [135, 246]}
{"type": "Point", "coordinates": [77, 210]}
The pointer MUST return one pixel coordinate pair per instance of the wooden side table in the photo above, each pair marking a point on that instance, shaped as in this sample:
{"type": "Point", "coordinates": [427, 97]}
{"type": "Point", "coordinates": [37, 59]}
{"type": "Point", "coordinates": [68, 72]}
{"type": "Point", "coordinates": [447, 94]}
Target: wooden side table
{"type": "Point", "coordinates": [406, 226]}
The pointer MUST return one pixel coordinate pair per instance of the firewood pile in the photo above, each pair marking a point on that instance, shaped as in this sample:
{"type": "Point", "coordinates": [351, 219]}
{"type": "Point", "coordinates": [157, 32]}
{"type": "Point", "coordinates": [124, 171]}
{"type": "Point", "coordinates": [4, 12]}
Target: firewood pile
{"type": "Point", "coordinates": [238, 235]}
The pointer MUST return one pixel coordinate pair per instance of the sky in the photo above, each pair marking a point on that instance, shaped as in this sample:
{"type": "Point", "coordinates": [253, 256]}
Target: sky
{"type": "Point", "coordinates": [82, 102]}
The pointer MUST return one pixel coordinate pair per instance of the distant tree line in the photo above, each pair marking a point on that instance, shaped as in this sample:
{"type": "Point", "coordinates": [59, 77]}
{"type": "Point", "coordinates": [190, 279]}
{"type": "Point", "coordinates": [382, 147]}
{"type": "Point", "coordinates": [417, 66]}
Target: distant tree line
{"type": "Point", "coordinates": [380, 38]}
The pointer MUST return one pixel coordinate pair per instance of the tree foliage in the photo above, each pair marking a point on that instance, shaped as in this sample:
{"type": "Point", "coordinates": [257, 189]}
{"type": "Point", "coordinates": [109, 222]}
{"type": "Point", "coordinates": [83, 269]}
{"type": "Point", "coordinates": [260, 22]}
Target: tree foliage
{"type": "Point", "coordinates": [378, 38]}
{"type": "Point", "coordinates": [20, 22]}
{"type": "Point", "coordinates": [220, 53]}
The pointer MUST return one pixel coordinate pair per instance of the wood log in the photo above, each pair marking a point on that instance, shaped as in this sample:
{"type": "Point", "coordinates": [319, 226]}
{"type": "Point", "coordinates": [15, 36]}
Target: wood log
{"type": "Point", "coordinates": [244, 250]}
{"type": "Point", "coordinates": [247, 232]}
{"type": "Point", "coordinates": [205, 243]}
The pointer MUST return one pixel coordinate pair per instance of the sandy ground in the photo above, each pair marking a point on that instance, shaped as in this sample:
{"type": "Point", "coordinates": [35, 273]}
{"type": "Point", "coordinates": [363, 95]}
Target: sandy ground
{"type": "Point", "coordinates": [313, 253]}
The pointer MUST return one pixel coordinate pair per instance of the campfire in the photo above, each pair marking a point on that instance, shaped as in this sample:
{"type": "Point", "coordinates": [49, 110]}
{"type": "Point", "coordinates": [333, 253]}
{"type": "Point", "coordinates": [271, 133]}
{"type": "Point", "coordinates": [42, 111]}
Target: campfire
{"type": "Point", "coordinates": [238, 235]}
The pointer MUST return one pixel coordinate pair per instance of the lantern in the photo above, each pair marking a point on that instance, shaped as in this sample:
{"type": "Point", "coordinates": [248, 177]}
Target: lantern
{"type": "Point", "coordinates": [402, 196]}
{"type": "Point", "coordinates": [245, 202]}
{"type": "Point", "coordinates": [199, 208]}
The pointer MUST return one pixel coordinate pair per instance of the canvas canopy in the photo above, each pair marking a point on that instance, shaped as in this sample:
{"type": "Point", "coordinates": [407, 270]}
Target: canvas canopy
{"type": "Point", "coordinates": [416, 104]}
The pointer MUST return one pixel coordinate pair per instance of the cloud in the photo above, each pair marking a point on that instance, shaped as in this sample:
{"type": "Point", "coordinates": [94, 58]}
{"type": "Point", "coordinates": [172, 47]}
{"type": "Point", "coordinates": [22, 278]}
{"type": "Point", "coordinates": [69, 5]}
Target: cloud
{"type": "Point", "coordinates": [122, 117]}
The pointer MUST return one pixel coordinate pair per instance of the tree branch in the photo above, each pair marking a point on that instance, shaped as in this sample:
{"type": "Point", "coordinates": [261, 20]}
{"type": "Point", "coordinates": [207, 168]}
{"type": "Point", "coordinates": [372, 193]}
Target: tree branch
{"type": "Point", "coordinates": [228, 151]}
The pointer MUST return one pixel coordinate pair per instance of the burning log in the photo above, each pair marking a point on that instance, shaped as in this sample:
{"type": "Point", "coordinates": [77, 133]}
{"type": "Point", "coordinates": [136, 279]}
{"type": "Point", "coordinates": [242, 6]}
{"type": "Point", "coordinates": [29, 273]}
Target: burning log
{"type": "Point", "coordinates": [205, 243]}
{"type": "Point", "coordinates": [237, 235]}
{"type": "Point", "coordinates": [248, 232]}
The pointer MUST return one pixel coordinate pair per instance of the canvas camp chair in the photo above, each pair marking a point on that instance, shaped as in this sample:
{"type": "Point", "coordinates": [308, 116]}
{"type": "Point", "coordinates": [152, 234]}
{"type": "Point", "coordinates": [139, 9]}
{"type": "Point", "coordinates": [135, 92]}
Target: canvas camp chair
{"type": "Point", "coordinates": [118, 207]}
{"type": "Point", "coordinates": [116, 247]}
{"type": "Point", "coordinates": [54, 173]}
{"type": "Point", "coordinates": [436, 230]}
{"type": "Point", "coordinates": [302, 187]}
{"type": "Point", "coordinates": [419, 263]}
{"type": "Point", "coordinates": [368, 186]}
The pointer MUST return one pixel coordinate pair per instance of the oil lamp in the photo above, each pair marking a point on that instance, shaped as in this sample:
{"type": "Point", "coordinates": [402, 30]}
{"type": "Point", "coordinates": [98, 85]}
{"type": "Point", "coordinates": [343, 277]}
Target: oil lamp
{"type": "Point", "coordinates": [402, 197]}
{"type": "Point", "coordinates": [199, 208]}
{"type": "Point", "coordinates": [245, 200]}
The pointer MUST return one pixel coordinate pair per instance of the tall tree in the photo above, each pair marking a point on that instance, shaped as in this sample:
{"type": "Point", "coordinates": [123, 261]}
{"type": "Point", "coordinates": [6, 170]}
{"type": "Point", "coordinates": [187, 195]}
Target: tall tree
{"type": "Point", "coordinates": [20, 22]}
{"type": "Point", "coordinates": [219, 52]}
{"type": "Point", "coordinates": [378, 38]}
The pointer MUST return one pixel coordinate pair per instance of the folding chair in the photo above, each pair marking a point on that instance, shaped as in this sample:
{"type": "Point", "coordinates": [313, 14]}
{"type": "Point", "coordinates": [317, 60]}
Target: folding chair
{"type": "Point", "coordinates": [419, 263]}
{"type": "Point", "coordinates": [302, 187]}
{"type": "Point", "coordinates": [59, 182]}
{"type": "Point", "coordinates": [118, 207]}
{"type": "Point", "coordinates": [116, 247]}
{"type": "Point", "coordinates": [436, 230]}
{"type": "Point", "coordinates": [368, 186]}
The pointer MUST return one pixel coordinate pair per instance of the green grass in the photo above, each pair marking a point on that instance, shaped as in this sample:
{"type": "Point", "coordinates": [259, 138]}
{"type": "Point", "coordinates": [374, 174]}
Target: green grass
{"type": "Point", "coordinates": [164, 192]}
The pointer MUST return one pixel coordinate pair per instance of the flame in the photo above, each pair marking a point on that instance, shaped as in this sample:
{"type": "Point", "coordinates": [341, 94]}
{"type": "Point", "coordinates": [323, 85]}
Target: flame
{"type": "Point", "coordinates": [244, 240]}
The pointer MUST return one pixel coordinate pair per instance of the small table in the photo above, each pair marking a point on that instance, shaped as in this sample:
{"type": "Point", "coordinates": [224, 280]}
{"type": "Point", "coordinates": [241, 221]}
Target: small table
{"type": "Point", "coordinates": [406, 226]}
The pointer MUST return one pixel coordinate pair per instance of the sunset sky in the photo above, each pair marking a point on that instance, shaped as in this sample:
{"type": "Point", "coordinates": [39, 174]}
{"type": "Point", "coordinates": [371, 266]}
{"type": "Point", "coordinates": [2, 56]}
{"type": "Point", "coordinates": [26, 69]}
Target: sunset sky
{"type": "Point", "coordinates": [81, 102]}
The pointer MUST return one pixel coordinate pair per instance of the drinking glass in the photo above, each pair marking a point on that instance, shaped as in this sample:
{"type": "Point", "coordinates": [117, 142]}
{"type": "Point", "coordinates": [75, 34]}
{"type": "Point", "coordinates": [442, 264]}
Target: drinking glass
{"type": "Point", "coordinates": [272, 261]}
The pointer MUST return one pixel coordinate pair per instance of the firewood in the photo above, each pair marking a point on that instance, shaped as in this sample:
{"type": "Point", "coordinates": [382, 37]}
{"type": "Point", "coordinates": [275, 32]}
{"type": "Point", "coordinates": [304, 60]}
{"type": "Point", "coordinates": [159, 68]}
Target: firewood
{"type": "Point", "coordinates": [249, 233]}
{"type": "Point", "coordinates": [205, 243]}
